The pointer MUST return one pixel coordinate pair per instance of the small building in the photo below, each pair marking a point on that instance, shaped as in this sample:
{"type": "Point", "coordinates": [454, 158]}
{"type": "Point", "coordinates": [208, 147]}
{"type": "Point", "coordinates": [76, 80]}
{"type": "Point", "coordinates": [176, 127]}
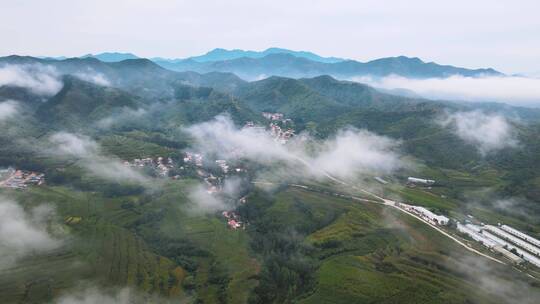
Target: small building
{"type": "Point", "coordinates": [430, 216]}
{"type": "Point", "coordinates": [509, 255]}
{"type": "Point", "coordinates": [380, 180]}
{"type": "Point", "coordinates": [521, 235]}
{"type": "Point", "coordinates": [420, 181]}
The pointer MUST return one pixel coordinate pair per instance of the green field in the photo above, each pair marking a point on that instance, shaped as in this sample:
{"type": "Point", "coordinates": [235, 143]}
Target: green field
{"type": "Point", "coordinates": [111, 243]}
{"type": "Point", "coordinates": [370, 254]}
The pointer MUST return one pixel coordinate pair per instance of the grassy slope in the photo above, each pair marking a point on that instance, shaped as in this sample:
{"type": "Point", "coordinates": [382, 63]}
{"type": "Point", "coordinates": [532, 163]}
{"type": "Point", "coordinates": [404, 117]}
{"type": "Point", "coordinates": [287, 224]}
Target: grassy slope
{"type": "Point", "coordinates": [376, 255]}
{"type": "Point", "coordinates": [107, 247]}
{"type": "Point", "coordinates": [98, 248]}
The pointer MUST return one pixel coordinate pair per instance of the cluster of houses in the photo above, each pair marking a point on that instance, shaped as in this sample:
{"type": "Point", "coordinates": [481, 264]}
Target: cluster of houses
{"type": "Point", "coordinates": [276, 117]}
{"type": "Point", "coordinates": [273, 116]}
{"type": "Point", "coordinates": [233, 220]}
{"type": "Point", "coordinates": [160, 164]}
{"type": "Point", "coordinates": [193, 158]}
{"type": "Point", "coordinates": [279, 127]}
{"type": "Point", "coordinates": [280, 135]}
{"type": "Point", "coordinates": [515, 245]}
{"type": "Point", "coordinates": [20, 179]}
{"type": "Point", "coordinates": [252, 125]}
{"type": "Point", "coordinates": [425, 214]}
{"type": "Point", "coordinates": [223, 165]}
{"type": "Point", "coordinates": [213, 183]}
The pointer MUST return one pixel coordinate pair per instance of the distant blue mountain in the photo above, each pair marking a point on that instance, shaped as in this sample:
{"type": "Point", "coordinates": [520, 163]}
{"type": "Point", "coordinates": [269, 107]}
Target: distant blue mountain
{"type": "Point", "coordinates": [214, 55]}
{"type": "Point", "coordinates": [53, 58]}
{"type": "Point", "coordinates": [223, 54]}
{"type": "Point", "coordinates": [289, 65]}
{"type": "Point", "coordinates": [252, 65]}
{"type": "Point", "coordinates": [111, 56]}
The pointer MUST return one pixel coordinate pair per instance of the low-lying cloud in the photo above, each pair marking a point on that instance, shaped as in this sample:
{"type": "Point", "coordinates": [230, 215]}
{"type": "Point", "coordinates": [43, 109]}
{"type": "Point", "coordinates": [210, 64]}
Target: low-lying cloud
{"type": "Point", "coordinates": [221, 136]}
{"type": "Point", "coordinates": [488, 132]}
{"type": "Point", "coordinates": [507, 89]}
{"type": "Point", "coordinates": [88, 293]}
{"type": "Point", "coordinates": [93, 77]}
{"type": "Point", "coordinates": [8, 109]}
{"type": "Point", "coordinates": [39, 79]}
{"type": "Point", "coordinates": [349, 153]}
{"type": "Point", "coordinates": [92, 159]}
{"type": "Point", "coordinates": [203, 201]}
{"type": "Point", "coordinates": [492, 280]}
{"type": "Point", "coordinates": [123, 116]}
{"type": "Point", "coordinates": [96, 296]}
{"type": "Point", "coordinates": [515, 206]}
{"type": "Point", "coordinates": [24, 232]}
{"type": "Point", "coordinates": [356, 151]}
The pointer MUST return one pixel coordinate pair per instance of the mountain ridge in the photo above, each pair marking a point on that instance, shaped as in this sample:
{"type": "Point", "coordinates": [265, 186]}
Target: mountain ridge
{"type": "Point", "coordinates": [253, 65]}
{"type": "Point", "coordinates": [288, 65]}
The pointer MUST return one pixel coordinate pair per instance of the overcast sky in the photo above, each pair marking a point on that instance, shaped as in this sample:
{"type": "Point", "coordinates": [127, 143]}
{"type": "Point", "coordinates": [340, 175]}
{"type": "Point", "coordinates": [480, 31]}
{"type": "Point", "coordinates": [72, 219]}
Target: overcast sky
{"type": "Point", "coordinates": [501, 34]}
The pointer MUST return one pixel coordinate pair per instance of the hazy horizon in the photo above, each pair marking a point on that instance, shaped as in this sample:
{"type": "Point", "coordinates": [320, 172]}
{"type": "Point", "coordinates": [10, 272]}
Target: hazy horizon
{"type": "Point", "coordinates": [497, 34]}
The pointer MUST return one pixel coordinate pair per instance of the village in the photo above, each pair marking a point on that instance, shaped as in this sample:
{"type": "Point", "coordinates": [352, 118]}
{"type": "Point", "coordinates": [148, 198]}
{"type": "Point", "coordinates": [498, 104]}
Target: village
{"type": "Point", "coordinates": [20, 179]}
{"type": "Point", "coordinates": [159, 164]}
{"type": "Point", "coordinates": [214, 172]}
{"type": "Point", "coordinates": [214, 182]}
{"type": "Point", "coordinates": [280, 128]}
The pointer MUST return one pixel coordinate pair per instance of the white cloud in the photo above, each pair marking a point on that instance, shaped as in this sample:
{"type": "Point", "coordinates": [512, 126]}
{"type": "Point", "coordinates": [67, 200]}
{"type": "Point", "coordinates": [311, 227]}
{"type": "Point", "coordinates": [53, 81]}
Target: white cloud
{"type": "Point", "coordinates": [8, 109]}
{"type": "Point", "coordinates": [513, 90]}
{"type": "Point", "coordinates": [223, 137]}
{"type": "Point", "coordinates": [492, 279]}
{"type": "Point", "coordinates": [488, 132]}
{"type": "Point", "coordinates": [349, 153]}
{"type": "Point", "coordinates": [352, 151]}
{"type": "Point", "coordinates": [96, 296]}
{"type": "Point", "coordinates": [92, 159]}
{"type": "Point", "coordinates": [123, 116]}
{"type": "Point", "coordinates": [204, 202]}
{"type": "Point", "coordinates": [39, 79]}
{"type": "Point", "coordinates": [74, 145]}
{"type": "Point", "coordinates": [93, 77]}
{"type": "Point", "coordinates": [23, 233]}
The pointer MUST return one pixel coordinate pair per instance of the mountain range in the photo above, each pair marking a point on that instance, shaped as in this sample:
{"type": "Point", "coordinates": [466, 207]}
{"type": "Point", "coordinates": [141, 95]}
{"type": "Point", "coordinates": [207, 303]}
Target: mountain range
{"type": "Point", "coordinates": [322, 102]}
{"type": "Point", "coordinates": [251, 65]}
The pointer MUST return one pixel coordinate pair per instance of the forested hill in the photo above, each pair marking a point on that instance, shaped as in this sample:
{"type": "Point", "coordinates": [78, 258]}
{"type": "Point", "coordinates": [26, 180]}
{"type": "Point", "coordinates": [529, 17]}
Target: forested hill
{"type": "Point", "coordinates": [93, 92]}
